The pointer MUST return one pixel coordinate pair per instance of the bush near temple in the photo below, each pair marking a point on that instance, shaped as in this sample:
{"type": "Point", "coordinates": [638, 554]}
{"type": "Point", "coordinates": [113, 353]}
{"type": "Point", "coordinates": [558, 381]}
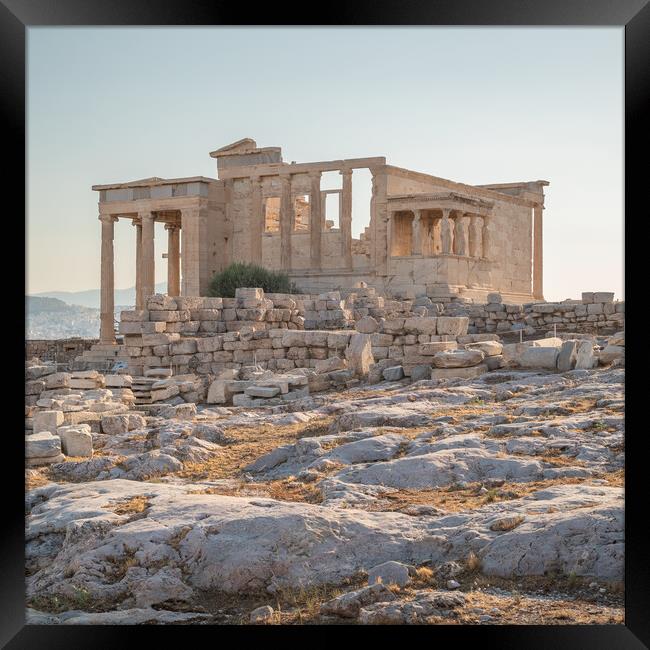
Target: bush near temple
{"type": "Point", "coordinates": [240, 274]}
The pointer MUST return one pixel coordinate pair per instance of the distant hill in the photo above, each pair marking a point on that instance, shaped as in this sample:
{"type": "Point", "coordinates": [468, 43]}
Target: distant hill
{"type": "Point", "coordinates": [52, 318]}
{"type": "Point", "coordinates": [91, 298]}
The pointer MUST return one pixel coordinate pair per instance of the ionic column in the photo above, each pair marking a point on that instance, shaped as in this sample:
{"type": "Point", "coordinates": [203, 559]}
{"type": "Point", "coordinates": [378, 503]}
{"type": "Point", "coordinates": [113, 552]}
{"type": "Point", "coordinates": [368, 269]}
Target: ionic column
{"type": "Point", "coordinates": [257, 220]}
{"type": "Point", "coordinates": [286, 223]}
{"type": "Point", "coordinates": [315, 220]}
{"type": "Point", "coordinates": [475, 237]}
{"type": "Point", "coordinates": [147, 270]}
{"type": "Point", "coordinates": [173, 259]}
{"type": "Point", "coordinates": [345, 218]}
{"type": "Point", "coordinates": [460, 235]}
{"type": "Point", "coordinates": [538, 270]}
{"type": "Point", "coordinates": [190, 252]}
{"type": "Point", "coordinates": [487, 239]}
{"type": "Point", "coordinates": [446, 232]}
{"type": "Point", "coordinates": [107, 283]}
{"type": "Point", "coordinates": [416, 237]}
{"type": "Point", "coordinates": [138, 264]}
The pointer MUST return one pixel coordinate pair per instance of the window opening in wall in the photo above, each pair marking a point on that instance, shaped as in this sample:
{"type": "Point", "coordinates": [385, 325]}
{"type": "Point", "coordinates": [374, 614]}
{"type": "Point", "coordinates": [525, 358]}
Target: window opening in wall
{"type": "Point", "coordinates": [332, 206]}
{"type": "Point", "coordinates": [301, 212]}
{"type": "Point", "coordinates": [272, 214]}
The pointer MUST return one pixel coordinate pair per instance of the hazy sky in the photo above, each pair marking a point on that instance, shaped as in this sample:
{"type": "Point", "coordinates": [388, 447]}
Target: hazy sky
{"type": "Point", "coordinates": [475, 105]}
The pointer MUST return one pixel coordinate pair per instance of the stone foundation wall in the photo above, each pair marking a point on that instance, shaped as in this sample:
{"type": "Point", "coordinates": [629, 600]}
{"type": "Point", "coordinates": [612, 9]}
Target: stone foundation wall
{"type": "Point", "coordinates": [60, 350]}
{"type": "Point", "coordinates": [596, 311]}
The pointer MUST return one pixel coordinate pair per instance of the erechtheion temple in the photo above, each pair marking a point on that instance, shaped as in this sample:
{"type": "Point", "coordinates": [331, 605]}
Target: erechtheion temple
{"type": "Point", "coordinates": [426, 235]}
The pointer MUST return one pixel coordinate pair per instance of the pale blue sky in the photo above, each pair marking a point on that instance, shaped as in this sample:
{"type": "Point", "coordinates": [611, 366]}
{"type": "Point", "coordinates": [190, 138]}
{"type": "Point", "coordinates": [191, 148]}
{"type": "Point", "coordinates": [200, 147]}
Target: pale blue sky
{"type": "Point", "coordinates": [475, 105]}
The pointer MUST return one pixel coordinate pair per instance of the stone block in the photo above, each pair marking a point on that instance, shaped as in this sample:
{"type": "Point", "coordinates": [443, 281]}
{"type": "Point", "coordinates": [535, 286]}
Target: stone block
{"type": "Point", "coordinates": [457, 358]}
{"type": "Point", "coordinates": [587, 297]}
{"type": "Point", "coordinates": [603, 296]}
{"type": "Point", "coordinates": [489, 348]}
{"type": "Point", "coordinates": [567, 356]}
{"type": "Point", "coordinates": [47, 420]}
{"type": "Point", "coordinates": [459, 373]}
{"type": "Point", "coordinates": [539, 357]}
{"type": "Point", "coordinates": [161, 301]}
{"type": "Point", "coordinates": [430, 349]}
{"type": "Point", "coordinates": [394, 373]}
{"type": "Point", "coordinates": [76, 441]}
{"type": "Point", "coordinates": [452, 325]}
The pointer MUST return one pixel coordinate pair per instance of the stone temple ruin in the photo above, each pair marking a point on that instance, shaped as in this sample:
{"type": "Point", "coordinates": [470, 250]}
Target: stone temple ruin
{"type": "Point", "coordinates": [427, 236]}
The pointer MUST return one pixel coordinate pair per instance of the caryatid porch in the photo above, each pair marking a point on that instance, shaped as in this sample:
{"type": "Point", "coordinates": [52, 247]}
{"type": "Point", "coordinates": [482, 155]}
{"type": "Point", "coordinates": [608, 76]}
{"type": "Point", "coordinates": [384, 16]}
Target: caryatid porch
{"type": "Point", "coordinates": [431, 225]}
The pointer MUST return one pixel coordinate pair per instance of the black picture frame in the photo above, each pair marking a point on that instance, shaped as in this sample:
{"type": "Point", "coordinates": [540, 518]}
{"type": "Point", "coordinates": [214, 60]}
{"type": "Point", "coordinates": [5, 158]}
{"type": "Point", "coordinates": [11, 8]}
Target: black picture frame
{"type": "Point", "coordinates": [634, 15]}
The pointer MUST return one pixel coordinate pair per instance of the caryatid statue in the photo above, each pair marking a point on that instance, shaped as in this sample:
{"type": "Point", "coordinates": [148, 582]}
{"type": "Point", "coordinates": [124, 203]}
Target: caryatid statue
{"type": "Point", "coordinates": [445, 232]}
{"type": "Point", "coordinates": [460, 235]}
{"type": "Point", "coordinates": [476, 236]}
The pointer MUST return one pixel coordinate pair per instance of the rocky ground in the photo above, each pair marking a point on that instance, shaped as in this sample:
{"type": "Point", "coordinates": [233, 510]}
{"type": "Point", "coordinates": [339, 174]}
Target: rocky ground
{"type": "Point", "coordinates": [490, 501]}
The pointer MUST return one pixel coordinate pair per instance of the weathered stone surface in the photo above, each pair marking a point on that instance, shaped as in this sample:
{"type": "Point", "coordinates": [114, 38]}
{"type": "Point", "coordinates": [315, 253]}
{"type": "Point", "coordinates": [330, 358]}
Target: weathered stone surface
{"type": "Point", "coordinates": [452, 326]}
{"type": "Point", "coordinates": [567, 356]}
{"type": "Point", "coordinates": [488, 348]}
{"type": "Point", "coordinates": [367, 325]}
{"type": "Point", "coordinates": [47, 421]}
{"type": "Point", "coordinates": [539, 357]}
{"type": "Point", "coordinates": [429, 349]}
{"type": "Point", "coordinates": [349, 604]}
{"type": "Point", "coordinates": [76, 441]}
{"type": "Point", "coordinates": [359, 354]}
{"type": "Point", "coordinates": [585, 358]}
{"type": "Point", "coordinates": [610, 354]}
{"type": "Point", "coordinates": [394, 373]}
{"type": "Point", "coordinates": [457, 358]}
{"type": "Point", "coordinates": [389, 573]}
{"type": "Point", "coordinates": [459, 373]}
{"type": "Point", "coordinates": [114, 424]}
{"type": "Point", "coordinates": [330, 364]}
{"type": "Point", "coordinates": [43, 444]}
{"type": "Point", "coordinates": [262, 615]}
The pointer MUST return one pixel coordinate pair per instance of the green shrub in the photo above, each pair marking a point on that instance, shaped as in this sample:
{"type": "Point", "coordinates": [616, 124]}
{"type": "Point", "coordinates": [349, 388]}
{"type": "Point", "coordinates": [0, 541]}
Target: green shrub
{"type": "Point", "coordinates": [240, 274]}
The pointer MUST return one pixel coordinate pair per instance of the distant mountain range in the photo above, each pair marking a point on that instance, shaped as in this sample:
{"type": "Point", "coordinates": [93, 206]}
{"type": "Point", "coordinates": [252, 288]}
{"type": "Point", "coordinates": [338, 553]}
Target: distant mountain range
{"type": "Point", "coordinates": [91, 298]}
{"type": "Point", "coordinates": [51, 318]}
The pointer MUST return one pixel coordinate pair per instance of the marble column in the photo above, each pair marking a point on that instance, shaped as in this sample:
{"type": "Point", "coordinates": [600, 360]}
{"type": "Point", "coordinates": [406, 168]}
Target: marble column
{"type": "Point", "coordinates": [190, 252]}
{"type": "Point", "coordinates": [315, 221]}
{"type": "Point", "coordinates": [138, 264]}
{"type": "Point", "coordinates": [147, 270]}
{"type": "Point", "coordinates": [257, 219]}
{"type": "Point", "coordinates": [107, 284]}
{"type": "Point", "coordinates": [173, 260]}
{"type": "Point", "coordinates": [416, 237]}
{"type": "Point", "coordinates": [475, 236]}
{"type": "Point", "coordinates": [460, 235]}
{"type": "Point", "coordinates": [538, 269]}
{"type": "Point", "coordinates": [286, 222]}
{"type": "Point", "coordinates": [446, 232]}
{"type": "Point", "coordinates": [345, 218]}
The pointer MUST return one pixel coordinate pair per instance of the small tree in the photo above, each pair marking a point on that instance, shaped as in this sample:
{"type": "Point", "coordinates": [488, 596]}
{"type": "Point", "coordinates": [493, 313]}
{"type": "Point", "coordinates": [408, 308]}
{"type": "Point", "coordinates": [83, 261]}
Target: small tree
{"type": "Point", "coordinates": [241, 274]}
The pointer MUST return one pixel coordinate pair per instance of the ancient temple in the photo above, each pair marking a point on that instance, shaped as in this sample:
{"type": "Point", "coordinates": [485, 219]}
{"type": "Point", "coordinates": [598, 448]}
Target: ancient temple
{"type": "Point", "coordinates": [426, 235]}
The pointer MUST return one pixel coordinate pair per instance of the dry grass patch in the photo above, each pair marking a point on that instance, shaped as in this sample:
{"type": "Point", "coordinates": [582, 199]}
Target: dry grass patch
{"type": "Point", "coordinates": [521, 609]}
{"type": "Point", "coordinates": [288, 489]}
{"type": "Point", "coordinates": [251, 442]}
{"type": "Point", "coordinates": [36, 478]}
{"type": "Point", "coordinates": [133, 506]}
{"type": "Point", "coordinates": [454, 499]}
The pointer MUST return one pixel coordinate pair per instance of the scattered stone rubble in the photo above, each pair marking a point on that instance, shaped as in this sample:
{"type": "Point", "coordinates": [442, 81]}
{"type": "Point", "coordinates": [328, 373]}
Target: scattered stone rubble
{"type": "Point", "coordinates": [372, 460]}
